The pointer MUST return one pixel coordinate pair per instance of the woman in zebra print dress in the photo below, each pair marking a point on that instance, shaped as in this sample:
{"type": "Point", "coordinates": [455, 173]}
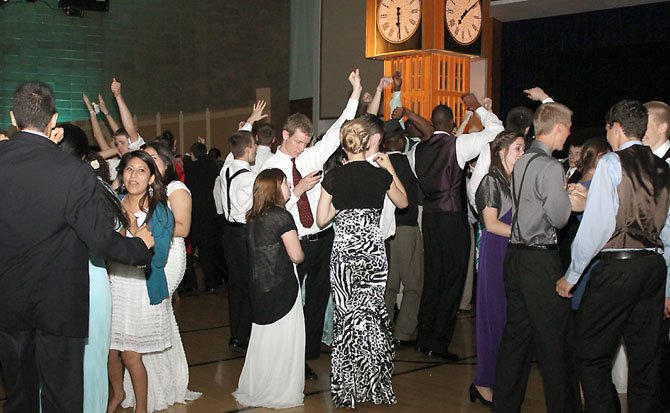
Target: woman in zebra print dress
{"type": "Point", "coordinates": [362, 355]}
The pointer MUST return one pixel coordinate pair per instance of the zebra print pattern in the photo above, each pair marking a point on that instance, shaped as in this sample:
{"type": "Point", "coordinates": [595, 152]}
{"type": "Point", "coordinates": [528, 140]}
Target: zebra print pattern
{"type": "Point", "coordinates": [362, 354]}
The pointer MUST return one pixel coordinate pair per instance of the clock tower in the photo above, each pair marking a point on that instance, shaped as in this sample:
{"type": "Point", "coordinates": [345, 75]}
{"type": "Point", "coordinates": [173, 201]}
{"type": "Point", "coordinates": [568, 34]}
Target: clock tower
{"type": "Point", "coordinates": [437, 45]}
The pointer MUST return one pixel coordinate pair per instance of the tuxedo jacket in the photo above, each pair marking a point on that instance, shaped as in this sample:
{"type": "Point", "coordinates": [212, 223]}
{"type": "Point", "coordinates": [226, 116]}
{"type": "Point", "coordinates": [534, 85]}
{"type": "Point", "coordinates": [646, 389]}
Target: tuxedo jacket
{"type": "Point", "coordinates": [51, 219]}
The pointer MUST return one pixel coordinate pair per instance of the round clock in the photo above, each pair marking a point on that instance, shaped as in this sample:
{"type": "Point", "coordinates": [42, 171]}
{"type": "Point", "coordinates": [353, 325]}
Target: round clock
{"type": "Point", "coordinates": [464, 20]}
{"type": "Point", "coordinates": [398, 20]}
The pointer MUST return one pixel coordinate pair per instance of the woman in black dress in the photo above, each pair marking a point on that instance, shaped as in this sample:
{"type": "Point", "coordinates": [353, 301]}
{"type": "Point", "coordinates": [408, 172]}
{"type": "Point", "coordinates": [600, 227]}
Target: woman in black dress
{"type": "Point", "coordinates": [362, 355]}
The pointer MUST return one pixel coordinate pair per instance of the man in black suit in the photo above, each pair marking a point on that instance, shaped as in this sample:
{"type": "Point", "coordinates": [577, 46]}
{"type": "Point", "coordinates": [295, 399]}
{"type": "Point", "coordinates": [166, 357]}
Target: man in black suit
{"type": "Point", "coordinates": [51, 217]}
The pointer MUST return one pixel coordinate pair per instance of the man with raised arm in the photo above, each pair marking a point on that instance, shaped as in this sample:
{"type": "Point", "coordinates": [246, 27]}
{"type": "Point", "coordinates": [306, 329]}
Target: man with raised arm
{"type": "Point", "coordinates": [303, 168]}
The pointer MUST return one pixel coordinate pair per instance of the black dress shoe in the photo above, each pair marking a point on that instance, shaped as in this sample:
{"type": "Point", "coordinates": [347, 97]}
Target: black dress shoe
{"type": "Point", "coordinates": [237, 346]}
{"type": "Point", "coordinates": [444, 356]}
{"type": "Point", "coordinates": [402, 344]}
{"type": "Point", "coordinates": [476, 395]}
{"type": "Point", "coordinates": [309, 373]}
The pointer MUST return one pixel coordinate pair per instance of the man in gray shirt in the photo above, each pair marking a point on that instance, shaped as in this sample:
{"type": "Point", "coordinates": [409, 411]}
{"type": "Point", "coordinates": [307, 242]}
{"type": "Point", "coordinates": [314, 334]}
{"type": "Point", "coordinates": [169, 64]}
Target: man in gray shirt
{"type": "Point", "coordinates": [537, 319]}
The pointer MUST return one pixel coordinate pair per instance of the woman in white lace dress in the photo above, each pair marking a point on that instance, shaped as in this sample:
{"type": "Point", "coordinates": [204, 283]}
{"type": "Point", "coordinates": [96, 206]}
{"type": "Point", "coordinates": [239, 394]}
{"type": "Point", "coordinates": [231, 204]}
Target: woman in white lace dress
{"type": "Point", "coordinates": [168, 370]}
{"type": "Point", "coordinates": [140, 318]}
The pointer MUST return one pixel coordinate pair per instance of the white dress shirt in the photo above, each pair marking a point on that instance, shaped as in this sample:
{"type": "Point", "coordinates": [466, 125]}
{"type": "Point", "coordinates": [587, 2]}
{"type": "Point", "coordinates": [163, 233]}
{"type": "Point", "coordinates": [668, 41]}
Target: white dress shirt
{"type": "Point", "coordinates": [661, 150]}
{"type": "Point", "coordinates": [469, 145]}
{"type": "Point", "coordinates": [312, 159]}
{"type": "Point", "coordinates": [263, 153]}
{"type": "Point", "coordinates": [241, 191]}
{"type": "Point", "coordinates": [387, 220]}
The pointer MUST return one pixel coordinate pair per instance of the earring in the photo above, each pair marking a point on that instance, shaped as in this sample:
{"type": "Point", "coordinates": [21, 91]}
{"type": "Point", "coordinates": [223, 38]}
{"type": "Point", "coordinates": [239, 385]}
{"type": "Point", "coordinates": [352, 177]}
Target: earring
{"type": "Point", "coordinates": [151, 191]}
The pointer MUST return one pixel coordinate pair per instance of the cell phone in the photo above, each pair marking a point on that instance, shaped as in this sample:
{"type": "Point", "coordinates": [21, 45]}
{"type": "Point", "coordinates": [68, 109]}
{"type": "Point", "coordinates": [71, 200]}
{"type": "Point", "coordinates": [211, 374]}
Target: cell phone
{"type": "Point", "coordinates": [318, 173]}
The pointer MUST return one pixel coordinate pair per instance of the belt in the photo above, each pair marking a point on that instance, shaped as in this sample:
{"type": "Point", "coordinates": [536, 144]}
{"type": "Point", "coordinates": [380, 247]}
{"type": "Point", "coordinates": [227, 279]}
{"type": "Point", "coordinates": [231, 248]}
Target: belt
{"type": "Point", "coordinates": [235, 224]}
{"type": "Point", "coordinates": [318, 235]}
{"type": "Point", "coordinates": [534, 247]}
{"type": "Point", "coordinates": [627, 254]}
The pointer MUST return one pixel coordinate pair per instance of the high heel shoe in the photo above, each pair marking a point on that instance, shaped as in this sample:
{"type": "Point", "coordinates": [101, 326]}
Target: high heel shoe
{"type": "Point", "coordinates": [476, 395]}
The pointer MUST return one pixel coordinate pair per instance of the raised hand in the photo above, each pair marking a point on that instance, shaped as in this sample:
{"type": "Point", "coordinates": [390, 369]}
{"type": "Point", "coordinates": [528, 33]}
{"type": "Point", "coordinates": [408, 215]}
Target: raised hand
{"type": "Point", "coordinates": [397, 81]}
{"type": "Point", "coordinates": [355, 80]}
{"type": "Point", "coordinates": [116, 87]}
{"type": "Point", "coordinates": [470, 101]}
{"type": "Point", "coordinates": [536, 93]}
{"type": "Point", "coordinates": [200, 139]}
{"type": "Point", "coordinates": [487, 103]}
{"type": "Point", "coordinates": [103, 105]}
{"type": "Point", "coordinates": [87, 101]}
{"type": "Point", "coordinates": [3, 137]}
{"type": "Point", "coordinates": [257, 112]}
{"type": "Point", "coordinates": [398, 113]}
{"type": "Point", "coordinates": [383, 160]}
{"type": "Point", "coordinates": [385, 82]}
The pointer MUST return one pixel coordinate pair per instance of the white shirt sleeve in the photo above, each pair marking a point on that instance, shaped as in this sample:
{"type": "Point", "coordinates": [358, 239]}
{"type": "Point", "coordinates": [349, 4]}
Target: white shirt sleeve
{"type": "Point", "coordinates": [469, 145]}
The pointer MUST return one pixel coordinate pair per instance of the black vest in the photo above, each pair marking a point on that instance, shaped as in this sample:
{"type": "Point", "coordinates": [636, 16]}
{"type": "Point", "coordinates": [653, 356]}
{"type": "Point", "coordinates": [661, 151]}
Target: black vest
{"type": "Point", "coordinates": [440, 177]}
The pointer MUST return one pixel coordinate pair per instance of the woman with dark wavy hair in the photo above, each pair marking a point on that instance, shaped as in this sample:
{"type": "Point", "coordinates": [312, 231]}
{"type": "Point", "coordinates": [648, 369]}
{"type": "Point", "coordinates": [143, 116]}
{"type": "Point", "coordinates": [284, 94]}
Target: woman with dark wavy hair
{"type": "Point", "coordinates": [494, 205]}
{"type": "Point", "coordinates": [140, 317]}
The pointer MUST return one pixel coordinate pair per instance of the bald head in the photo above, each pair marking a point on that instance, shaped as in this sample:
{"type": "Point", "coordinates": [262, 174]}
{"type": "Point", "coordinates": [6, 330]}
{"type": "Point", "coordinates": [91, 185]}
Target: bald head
{"type": "Point", "coordinates": [442, 118]}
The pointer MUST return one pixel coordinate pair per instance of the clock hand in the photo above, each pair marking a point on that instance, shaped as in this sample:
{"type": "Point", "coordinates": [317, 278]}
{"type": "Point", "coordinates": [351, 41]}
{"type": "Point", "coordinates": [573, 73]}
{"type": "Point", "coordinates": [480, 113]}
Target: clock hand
{"type": "Point", "coordinates": [466, 12]}
{"type": "Point", "coordinates": [398, 21]}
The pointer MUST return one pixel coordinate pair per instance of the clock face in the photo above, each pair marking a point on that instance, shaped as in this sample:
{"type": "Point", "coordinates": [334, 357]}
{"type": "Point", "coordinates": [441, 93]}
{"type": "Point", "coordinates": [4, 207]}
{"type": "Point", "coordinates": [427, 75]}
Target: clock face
{"type": "Point", "coordinates": [398, 20]}
{"type": "Point", "coordinates": [464, 20]}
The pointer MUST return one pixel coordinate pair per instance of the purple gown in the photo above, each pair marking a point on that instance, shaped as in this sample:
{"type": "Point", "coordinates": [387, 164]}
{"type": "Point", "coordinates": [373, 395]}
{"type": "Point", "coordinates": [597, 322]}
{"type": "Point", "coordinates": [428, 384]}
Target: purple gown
{"type": "Point", "coordinates": [491, 302]}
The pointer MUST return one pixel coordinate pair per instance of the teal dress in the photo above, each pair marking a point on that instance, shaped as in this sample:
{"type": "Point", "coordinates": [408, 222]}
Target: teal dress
{"type": "Point", "coordinates": [97, 345]}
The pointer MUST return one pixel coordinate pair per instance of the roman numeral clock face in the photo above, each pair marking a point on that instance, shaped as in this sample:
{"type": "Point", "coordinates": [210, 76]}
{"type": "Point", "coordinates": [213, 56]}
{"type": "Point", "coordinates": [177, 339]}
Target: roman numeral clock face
{"type": "Point", "coordinates": [398, 20]}
{"type": "Point", "coordinates": [464, 20]}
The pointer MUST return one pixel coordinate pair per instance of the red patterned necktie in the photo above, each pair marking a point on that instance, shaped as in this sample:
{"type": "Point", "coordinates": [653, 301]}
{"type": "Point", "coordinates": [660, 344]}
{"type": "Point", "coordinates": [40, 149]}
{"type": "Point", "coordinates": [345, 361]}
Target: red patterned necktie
{"type": "Point", "coordinates": [304, 211]}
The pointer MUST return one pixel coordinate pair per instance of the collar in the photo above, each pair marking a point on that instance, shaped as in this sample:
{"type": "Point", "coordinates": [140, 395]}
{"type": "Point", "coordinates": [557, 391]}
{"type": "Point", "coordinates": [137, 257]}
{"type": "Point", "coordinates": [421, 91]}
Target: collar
{"type": "Point", "coordinates": [440, 132]}
{"type": "Point", "coordinates": [32, 132]}
{"type": "Point", "coordinates": [263, 148]}
{"type": "Point", "coordinates": [283, 155]}
{"type": "Point", "coordinates": [661, 150]}
{"type": "Point", "coordinates": [541, 146]}
{"type": "Point", "coordinates": [393, 152]}
{"type": "Point", "coordinates": [628, 144]}
{"type": "Point", "coordinates": [240, 164]}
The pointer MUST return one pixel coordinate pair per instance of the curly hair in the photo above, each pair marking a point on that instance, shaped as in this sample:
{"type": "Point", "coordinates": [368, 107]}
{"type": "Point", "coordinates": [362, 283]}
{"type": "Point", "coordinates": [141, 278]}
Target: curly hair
{"type": "Point", "coordinates": [355, 135]}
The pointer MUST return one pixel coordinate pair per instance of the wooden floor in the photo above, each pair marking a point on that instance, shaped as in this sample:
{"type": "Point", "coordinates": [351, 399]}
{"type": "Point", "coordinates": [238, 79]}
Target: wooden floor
{"type": "Point", "coordinates": [421, 385]}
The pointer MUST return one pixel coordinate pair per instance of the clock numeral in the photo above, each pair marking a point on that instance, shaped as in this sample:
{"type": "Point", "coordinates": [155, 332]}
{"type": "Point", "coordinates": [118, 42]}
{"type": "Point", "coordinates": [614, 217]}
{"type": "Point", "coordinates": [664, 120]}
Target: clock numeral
{"type": "Point", "coordinates": [385, 5]}
{"type": "Point", "coordinates": [453, 2]}
{"type": "Point", "coordinates": [477, 17]}
{"type": "Point", "coordinates": [406, 30]}
{"type": "Point", "coordinates": [456, 30]}
{"type": "Point", "coordinates": [414, 11]}
{"type": "Point", "coordinates": [412, 22]}
{"type": "Point", "coordinates": [391, 32]}
{"type": "Point", "coordinates": [385, 26]}
{"type": "Point", "coordinates": [383, 16]}
{"type": "Point", "coordinates": [474, 26]}
{"type": "Point", "coordinates": [452, 22]}
{"type": "Point", "coordinates": [450, 11]}
{"type": "Point", "coordinates": [469, 34]}
{"type": "Point", "coordinates": [462, 35]}
{"type": "Point", "coordinates": [413, 1]}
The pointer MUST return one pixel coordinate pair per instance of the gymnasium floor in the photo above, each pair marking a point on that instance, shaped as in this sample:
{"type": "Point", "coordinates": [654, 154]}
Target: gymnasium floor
{"type": "Point", "coordinates": [421, 384]}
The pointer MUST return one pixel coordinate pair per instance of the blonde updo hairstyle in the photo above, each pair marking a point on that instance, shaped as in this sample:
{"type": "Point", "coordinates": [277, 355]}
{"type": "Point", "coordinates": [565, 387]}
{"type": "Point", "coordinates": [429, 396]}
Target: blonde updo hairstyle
{"type": "Point", "coordinates": [355, 136]}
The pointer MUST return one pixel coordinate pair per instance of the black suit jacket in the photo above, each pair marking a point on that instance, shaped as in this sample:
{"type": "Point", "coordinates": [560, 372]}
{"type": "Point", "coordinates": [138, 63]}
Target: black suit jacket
{"type": "Point", "coordinates": [51, 217]}
{"type": "Point", "coordinates": [200, 177]}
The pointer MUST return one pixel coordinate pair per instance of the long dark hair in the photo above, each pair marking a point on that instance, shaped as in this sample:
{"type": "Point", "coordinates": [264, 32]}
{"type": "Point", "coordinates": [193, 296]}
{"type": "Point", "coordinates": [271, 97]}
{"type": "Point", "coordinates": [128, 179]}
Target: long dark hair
{"type": "Point", "coordinates": [75, 143]}
{"type": "Point", "coordinates": [168, 159]}
{"type": "Point", "coordinates": [267, 192]}
{"type": "Point", "coordinates": [501, 144]}
{"type": "Point", "coordinates": [157, 186]}
{"type": "Point", "coordinates": [592, 150]}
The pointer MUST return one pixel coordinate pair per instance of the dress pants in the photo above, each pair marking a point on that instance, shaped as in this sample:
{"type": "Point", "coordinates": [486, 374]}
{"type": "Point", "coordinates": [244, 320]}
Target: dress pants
{"type": "Point", "coordinates": [539, 320]}
{"type": "Point", "coordinates": [446, 240]}
{"type": "Point", "coordinates": [664, 346]}
{"type": "Point", "coordinates": [33, 360]}
{"type": "Point", "coordinates": [624, 298]}
{"type": "Point", "coordinates": [406, 266]}
{"type": "Point", "coordinates": [236, 254]}
{"type": "Point", "coordinates": [314, 273]}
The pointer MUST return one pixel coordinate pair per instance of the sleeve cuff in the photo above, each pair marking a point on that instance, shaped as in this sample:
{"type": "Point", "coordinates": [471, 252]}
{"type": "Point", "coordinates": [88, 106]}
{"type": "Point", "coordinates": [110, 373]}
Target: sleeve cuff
{"type": "Point", "coordinates": [247, 127]}
{"type": "Point", "coordinates": [548, 100]}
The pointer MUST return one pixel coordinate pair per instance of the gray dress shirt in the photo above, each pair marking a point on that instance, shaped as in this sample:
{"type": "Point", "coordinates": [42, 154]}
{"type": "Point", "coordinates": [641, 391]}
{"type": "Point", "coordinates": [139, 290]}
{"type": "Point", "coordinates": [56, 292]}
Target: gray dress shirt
{"type": "Point", "coordinates": [540, 201]}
